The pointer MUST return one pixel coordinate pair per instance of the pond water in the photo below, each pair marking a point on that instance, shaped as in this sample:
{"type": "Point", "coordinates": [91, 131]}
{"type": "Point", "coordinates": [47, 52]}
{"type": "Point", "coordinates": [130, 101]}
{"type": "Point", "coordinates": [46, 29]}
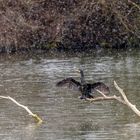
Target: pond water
{"type": "Point", "coordinates": [31, 79]}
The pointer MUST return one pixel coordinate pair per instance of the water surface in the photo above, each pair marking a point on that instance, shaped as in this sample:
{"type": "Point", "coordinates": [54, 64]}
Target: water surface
{"type": "Point", "coordinates": [31, 79]}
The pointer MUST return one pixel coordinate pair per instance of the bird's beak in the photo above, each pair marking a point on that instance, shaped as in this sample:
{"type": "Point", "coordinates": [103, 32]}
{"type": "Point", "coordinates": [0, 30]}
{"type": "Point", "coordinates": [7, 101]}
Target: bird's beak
{"type": "Point", "coordinates": [77, 70]}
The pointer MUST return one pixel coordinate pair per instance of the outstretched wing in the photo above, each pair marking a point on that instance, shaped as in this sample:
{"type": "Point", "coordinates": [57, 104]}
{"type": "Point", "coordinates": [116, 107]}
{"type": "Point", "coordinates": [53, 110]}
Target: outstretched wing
{"type": "Point", "coordinates": [69, 82]}
{"type": "Point", "coordinates": [101, 87]}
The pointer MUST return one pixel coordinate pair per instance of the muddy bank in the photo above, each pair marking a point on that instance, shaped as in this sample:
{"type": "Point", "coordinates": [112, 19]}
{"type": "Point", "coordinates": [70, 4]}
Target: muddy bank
{"type": "Point", "coordinates": [68, 24]}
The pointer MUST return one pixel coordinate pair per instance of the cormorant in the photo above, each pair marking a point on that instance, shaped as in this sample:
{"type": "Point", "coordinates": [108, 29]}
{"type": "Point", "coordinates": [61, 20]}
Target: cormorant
{"type": "Point", "coordinates": [85, 88]}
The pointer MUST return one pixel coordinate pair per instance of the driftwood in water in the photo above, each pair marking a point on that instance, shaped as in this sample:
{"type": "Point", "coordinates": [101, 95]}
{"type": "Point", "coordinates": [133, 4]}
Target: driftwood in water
{"type": "Point", "coordinates": [122, 99]}
{"type": "Point", "coordinates": [37, 118]}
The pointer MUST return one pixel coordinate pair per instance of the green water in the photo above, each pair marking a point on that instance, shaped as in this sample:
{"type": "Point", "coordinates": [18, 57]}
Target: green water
{"type": "Point", "coordinates": [31, 79]}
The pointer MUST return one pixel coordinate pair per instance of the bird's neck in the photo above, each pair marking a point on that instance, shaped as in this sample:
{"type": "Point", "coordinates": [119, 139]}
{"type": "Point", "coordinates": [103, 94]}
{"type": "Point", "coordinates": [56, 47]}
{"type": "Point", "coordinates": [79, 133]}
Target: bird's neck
{"type": "Point", "coordinates": [82, 78]}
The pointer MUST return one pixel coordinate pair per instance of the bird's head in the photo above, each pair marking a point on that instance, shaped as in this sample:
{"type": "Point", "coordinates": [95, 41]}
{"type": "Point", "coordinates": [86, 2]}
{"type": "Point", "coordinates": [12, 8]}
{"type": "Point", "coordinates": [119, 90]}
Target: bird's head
{"type": "Point", "coordinates": [79, 71]}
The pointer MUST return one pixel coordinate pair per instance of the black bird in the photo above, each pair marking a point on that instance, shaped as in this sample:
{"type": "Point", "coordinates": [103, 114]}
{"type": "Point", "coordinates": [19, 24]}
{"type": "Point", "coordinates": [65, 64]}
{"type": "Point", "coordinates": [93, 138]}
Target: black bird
{"type": "Point", "coordinates": [85, 88]}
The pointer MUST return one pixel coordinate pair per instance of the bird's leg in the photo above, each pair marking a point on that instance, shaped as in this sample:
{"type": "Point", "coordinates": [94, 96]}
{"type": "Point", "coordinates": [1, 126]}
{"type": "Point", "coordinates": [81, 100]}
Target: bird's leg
{"type": "Point", "coordinates": [83, 96]}
{"type": "Point", "coordinates": [86, 95]}
{"type": "Point", "coordinates": [89, 96]}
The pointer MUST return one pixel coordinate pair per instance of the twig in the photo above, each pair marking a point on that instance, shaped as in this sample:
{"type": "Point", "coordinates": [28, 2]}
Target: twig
{"type": "Point", "coordinates": [130, 105]}
{"type": "Point", "coordinates": [136, 5]}
{"type": "Point", "coordinates": [39, 120]}
{"type": "Point", "coordinates": [118, 98]}
{"type": "Point", "coordinates": [123, 99]}
{"type": "Point", "coordinates": [104, 97]}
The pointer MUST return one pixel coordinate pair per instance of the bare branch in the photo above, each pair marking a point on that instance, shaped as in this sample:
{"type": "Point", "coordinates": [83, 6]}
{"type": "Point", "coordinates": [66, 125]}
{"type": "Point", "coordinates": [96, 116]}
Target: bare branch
{"type": "Point", "coordinates": [39, 120]}
{"type": "Point", "coordinates": [136, 5]}
{"type": "Point", "coordinates": [104, 97]}
{"type": "Point", "coordinates": [123, 99]}
{"type": "Point", "coordinates": [130, 105]}
{"type": "Point", "coordinates": [101, 93]}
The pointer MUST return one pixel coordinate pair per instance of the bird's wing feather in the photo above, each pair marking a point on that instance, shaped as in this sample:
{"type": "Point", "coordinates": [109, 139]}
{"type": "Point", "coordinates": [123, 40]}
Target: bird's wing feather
{"type": "Point", "coordinates": [69, 82]}
{"type": "Point", "coordinates": [101, 87]}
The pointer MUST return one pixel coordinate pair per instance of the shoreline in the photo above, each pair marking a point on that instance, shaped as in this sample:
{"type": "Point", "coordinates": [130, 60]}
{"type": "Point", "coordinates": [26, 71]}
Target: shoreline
{"type": "Point", "coordinates": [68, 25]}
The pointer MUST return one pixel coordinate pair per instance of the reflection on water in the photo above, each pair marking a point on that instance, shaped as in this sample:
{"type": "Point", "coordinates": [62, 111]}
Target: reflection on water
{"type": "Point", "coordinates": [31, 80]}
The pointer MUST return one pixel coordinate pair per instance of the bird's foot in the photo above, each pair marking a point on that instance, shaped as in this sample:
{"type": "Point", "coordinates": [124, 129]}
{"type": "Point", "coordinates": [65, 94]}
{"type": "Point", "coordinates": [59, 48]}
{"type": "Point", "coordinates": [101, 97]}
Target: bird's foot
{"type": "Point", "coordinates": [82, 97]}
{"type": "Point", "coordinates": [86, 97]}
{"type": "Point", "coordinates": [90, 96]}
